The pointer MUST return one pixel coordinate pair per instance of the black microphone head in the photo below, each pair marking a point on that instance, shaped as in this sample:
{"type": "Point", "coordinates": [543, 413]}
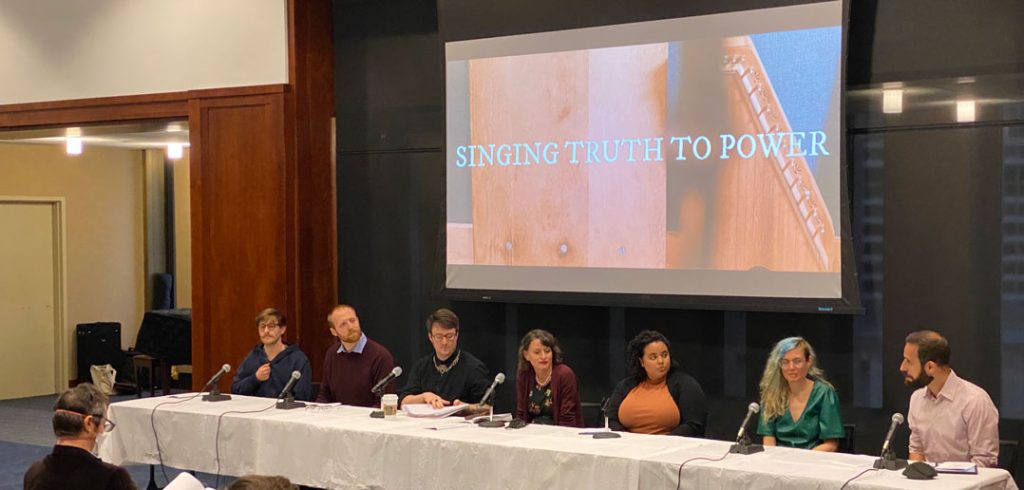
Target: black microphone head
{"type": "Point", "coordinates": [754, 407]}
{"type": "Point", "coordinates": [897, 418]}
{"type": "Point", "coordinates": [397, 371]}
{"type": "Point", "coordinates": [500, 378]}
{"type": "Point", "coordinates": [296, 375]}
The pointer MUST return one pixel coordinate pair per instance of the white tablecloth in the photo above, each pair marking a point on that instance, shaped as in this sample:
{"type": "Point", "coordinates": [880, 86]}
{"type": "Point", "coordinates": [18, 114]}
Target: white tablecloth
{"type": "Point", "coordinates": [342, 447]}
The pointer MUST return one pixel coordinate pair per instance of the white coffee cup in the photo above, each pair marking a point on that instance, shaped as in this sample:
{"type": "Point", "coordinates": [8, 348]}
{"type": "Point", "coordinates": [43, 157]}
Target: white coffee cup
{"type": "Point", "coordinates": [389, 405]}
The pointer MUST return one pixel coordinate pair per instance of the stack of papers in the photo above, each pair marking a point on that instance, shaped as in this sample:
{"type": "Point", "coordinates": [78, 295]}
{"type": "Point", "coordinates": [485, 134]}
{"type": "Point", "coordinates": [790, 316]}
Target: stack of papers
{"type": "Point", "coordinates": [961, 467]}
{"type": "Point", "coordinates": [423, 410]}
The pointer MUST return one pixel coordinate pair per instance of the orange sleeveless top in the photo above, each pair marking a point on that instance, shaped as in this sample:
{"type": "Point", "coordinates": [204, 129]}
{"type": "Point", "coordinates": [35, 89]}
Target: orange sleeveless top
{"type": "Point", "coordinates": [649, 409]}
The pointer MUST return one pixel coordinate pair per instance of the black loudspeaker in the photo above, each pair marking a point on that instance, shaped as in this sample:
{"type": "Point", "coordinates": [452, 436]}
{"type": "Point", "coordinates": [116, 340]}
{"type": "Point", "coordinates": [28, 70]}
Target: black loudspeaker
{"type": "Point", "coordinates": [98, 343]}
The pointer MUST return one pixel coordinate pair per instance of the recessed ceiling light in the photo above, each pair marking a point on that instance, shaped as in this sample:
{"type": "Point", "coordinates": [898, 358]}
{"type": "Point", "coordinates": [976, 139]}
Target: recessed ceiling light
{"type": "Point", "coordinates": [175, 151]}
{"type": "Point", "coordinates": [892, 101]}
{"type": "Point", "coordinates": [965, 110]}
{"type": "Point", "coordinates": [74, 146]}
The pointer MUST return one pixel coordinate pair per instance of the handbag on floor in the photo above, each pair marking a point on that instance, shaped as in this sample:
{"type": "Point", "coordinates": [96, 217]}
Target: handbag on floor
{"type": "Point", "coordinates": [103, 376]}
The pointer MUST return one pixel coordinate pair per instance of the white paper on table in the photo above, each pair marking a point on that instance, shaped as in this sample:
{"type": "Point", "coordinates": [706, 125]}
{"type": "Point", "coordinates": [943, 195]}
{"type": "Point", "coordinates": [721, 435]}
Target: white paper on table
{"type": "Point", "coordinates": [424, 410]}
{"type": "Point", "coordinates": [962, 467]}
{"type": "Point", "coordinates": [185, 481]}
{"type": "Point", "coordinates": [450, 424]}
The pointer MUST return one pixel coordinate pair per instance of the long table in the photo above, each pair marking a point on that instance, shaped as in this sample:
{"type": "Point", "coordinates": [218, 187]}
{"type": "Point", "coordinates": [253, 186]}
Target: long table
{"type": "Point", "coordinates": [342, 447]}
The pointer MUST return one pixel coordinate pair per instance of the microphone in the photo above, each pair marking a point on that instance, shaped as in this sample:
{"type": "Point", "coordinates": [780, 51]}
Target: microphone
{"type": "Point", "coordinates": [379, 387]}
{"type": "Point", "coordinates": [215, 394]}
{"type": "Point", "coordinates": [897, 419]}
{"type": "Point", "coordinates": [216, 377]}
{"type": "Point", "coordinates": [288, 387]}
{"type": "Point", "coordinates": [752, 409]}
{"type": "Point", "coordinates": [499, 379]}
{"type": "Point", "coordinates": [743, 445]}
{"type": "Point", "coordinates": [888, 460]}
{"type": "Point", "coordinates": [286, 400]}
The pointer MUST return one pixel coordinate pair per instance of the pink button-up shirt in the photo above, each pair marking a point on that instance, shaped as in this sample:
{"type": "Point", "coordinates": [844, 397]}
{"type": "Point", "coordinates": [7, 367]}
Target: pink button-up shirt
{"type": "Point", "coordinates": [960, 424]}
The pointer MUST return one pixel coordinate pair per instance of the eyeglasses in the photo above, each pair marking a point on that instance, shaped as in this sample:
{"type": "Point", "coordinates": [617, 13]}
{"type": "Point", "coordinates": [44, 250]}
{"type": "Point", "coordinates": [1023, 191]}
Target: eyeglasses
{"type": "Point", "coordinates": [268, 325]}
{"type": "Point", "coordinates": [108, 425]}
{"type": "Point", "coordinates": [444, 336]}
{"type": "Point", "coordinates": [796, 362]}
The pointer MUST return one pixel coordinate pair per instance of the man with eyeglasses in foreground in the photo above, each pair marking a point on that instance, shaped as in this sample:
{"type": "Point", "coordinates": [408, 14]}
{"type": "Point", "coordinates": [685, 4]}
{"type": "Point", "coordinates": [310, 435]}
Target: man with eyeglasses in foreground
{"type": "Point", "coordinates": [449, 375]}
{"type": "Point", "coordinates": [79, 417]}
{"type": "Point", "coordinates": [269, 365]}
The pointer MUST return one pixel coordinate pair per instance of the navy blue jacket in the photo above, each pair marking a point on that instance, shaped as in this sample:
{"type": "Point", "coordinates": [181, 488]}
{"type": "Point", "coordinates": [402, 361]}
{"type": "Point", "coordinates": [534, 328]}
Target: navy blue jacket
{"type": "Point", "coordinates": [292, 359]}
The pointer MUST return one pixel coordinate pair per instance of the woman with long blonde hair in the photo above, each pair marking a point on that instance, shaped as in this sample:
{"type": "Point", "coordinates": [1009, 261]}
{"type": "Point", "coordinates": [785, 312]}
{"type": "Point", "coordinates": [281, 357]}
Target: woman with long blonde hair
{"type": "Point", "coordinates": [799, 407]}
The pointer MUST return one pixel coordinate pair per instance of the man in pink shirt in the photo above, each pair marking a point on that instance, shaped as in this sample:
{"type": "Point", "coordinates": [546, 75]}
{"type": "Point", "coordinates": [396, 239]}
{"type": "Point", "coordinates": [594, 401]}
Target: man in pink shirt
{"type": "Point", "coordinates": [951, 419]}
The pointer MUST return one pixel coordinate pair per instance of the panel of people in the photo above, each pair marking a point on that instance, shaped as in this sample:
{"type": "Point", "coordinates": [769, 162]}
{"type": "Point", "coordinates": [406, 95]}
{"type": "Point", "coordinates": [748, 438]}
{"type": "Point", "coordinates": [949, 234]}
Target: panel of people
{"type": "Point", "coordinates": [950, 418]}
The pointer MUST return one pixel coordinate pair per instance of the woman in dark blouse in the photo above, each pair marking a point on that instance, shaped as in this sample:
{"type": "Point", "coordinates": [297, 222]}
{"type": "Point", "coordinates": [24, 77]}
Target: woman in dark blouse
{"type": "Point", "coordinates": [546, 389]}
{"type": "Point", "coordinates": [656, 397]}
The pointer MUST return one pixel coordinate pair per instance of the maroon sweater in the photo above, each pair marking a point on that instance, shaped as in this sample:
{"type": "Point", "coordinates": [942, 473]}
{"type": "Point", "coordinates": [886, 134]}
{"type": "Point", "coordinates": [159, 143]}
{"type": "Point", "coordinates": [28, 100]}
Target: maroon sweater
{"type": "Point", "coordinates": [348, 376]}
{"type": "Point", "coordinates": [565, 396]}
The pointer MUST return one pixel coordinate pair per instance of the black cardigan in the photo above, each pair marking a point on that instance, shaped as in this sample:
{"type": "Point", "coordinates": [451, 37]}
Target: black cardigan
{"type": "Point", "coordinates": [689, 398]}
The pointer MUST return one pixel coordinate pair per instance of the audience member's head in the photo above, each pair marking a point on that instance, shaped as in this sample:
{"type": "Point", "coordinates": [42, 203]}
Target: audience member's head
{"type": "Point", "coordinates": [81, 413]}
{"type": "Point", "coordinates": [257, 482]}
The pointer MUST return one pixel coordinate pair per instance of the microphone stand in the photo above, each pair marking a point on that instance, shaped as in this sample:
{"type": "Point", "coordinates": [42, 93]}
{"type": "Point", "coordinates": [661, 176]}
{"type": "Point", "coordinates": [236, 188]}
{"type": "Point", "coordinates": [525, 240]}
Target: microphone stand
{"type": "Point", "coordinates": [215, 395]}
{"type": "Point", "coordinates": [490, 422]}
{"type": "Point", "coordinates": [288, 402]}
{"type": "Point", "coordinates": [889, 461]}
{"type": "Point", "coordinates": [743, 446]}
{"type": "Point", "coordinates": [378, 414]}
{"type": "Point", "coordinates": [607, 434]}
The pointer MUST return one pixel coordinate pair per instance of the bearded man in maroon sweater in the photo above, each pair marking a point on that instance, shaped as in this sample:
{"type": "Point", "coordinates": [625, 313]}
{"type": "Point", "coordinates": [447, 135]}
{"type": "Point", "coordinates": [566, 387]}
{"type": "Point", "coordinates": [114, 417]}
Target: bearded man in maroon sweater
{"type": "Point", "coordinates": [354, 363]}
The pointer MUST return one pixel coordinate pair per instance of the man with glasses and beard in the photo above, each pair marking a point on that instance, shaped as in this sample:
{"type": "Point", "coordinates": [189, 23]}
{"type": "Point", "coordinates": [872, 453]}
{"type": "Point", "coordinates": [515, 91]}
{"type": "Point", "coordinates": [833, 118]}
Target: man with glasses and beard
{"type": "Point", "coordinates": [354, 363]}
{"type": "Point", "coordinates": [950, 418]}
{"type": "Point", "coordinates": [448, 375]}
{"type": "Point", "coordinates": [79, 418]}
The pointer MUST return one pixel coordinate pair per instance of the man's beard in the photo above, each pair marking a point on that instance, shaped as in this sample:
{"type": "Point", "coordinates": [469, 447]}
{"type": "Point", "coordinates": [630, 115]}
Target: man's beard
{"type": "Point", "coordinates": [920, 381]}
{"type": "Point", "coordinates": [351, 336]}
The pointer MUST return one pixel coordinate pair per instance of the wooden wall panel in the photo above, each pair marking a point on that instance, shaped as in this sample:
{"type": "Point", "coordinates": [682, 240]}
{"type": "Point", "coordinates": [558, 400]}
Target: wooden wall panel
{"type": "Point", "coordinates": [243, 228]}
{"type": "Point", "coordinates": [91, 111]}
{"type": "Point", "coordinates": [312, 77]}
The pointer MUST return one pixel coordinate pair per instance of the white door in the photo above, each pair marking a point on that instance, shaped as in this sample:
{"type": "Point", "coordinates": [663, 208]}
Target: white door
{"type": "Point", "coordinates": [29, 261]}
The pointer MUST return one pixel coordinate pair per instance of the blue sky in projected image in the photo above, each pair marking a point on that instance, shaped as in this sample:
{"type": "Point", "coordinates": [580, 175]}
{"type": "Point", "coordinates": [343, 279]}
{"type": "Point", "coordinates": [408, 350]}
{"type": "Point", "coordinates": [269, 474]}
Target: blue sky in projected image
{"type": "Point", "coordinates": [803, 66]}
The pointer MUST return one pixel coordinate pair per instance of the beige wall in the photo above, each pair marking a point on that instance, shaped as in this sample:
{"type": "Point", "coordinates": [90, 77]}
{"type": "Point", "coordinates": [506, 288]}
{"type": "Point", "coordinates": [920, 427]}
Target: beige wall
{"type": "Point", "coordinates": [103, 189]}
{"type": "Point", "coordinates": [60, 49]}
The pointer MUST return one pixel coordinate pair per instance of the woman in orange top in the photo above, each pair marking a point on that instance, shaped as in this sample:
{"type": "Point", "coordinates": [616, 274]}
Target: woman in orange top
{"type": "Point", "coordinates": [656, 397]}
